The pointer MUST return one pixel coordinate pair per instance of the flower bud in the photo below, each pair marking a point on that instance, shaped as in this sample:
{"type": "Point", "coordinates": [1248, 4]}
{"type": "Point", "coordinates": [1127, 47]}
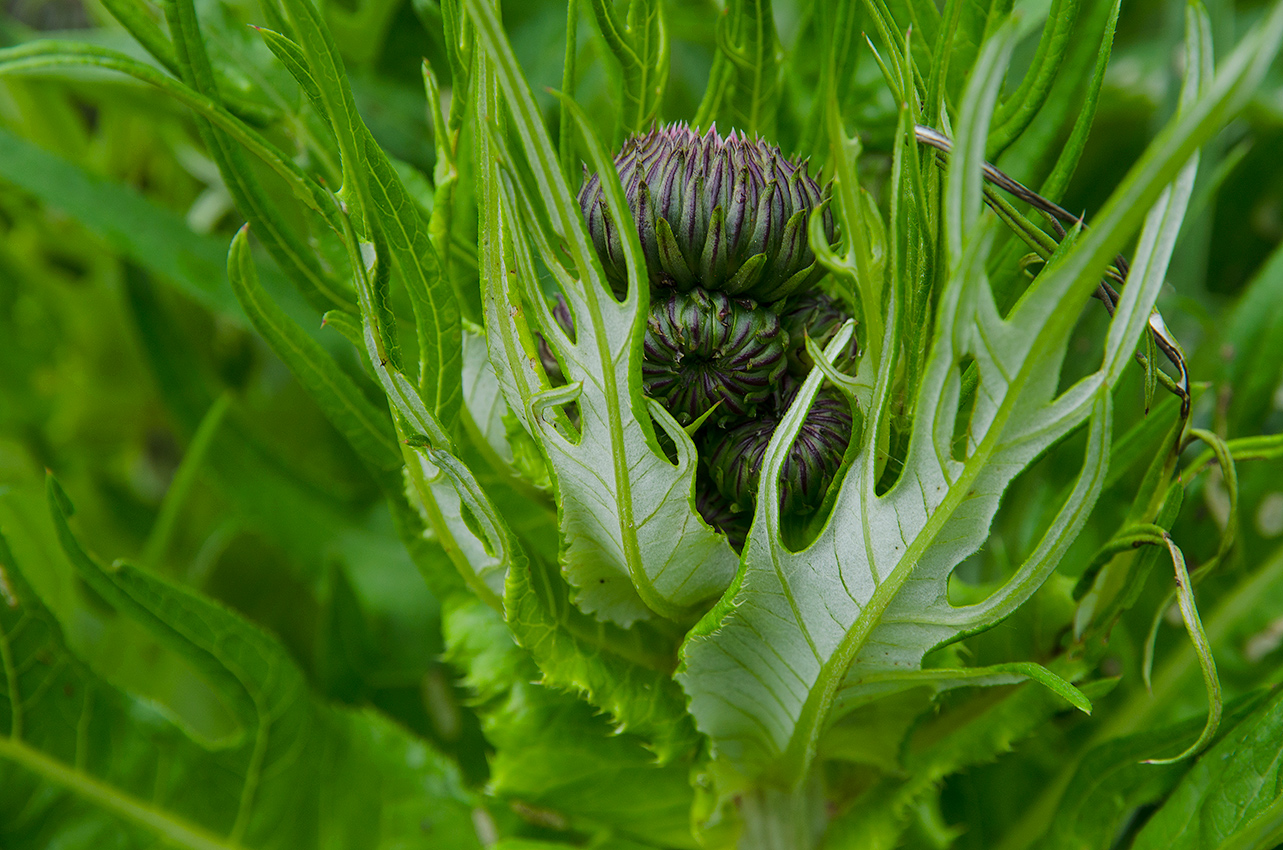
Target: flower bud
{"type": "Point", "coordinates": [815, 314]}
{"type": "Point", "coordinates": [718, 512]}
{"type": "Point", "coordinates": [702, 348]}
{"type": "Point", "coordinates": [727, 214]}
{"type": "Point", "coordinates": [735, 457]}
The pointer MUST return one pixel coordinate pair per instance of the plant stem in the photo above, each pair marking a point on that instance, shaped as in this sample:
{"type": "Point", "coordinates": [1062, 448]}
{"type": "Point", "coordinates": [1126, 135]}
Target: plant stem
{"type": "Point", "coordinates": [782, 819]}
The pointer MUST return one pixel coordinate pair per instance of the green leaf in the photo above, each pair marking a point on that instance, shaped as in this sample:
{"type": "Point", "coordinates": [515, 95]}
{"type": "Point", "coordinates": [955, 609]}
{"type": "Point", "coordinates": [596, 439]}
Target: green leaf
{"type": "Point", "coordinates": [286, 243]}
{"type": "Point", "coordinates": [83, 763]}
{"type": "Point", "coordinates": [1017, 112]}
{"type": "Point", "coordinates": [1113, 781]}
{"type": "Point", "coordinates": [870, 593]}
{"type": "Point", "coordinates": [382, 208]}
{"type": "Point", "coordinates": [640, 44]}
{"type": "Point", "coordinates": [267, 490]}
{"type": "Point", "coordinates": [744, 84]}
{"type": "Point", "coordinates": [634, 544]}
{"type": "Point", "coordinates": [368, 429]}
{"type": "Point", "coordinates": [944, 678]}
{"type": "Point", "coordinates": [149, 235]}
{"type": "Point", "coordinates": [1072, 150]}
{"type": "Point", "coordinates": [1254, 333]}
{"type": "Point", "coordinates": [965, 25]}
{"type": "Point", "coordinates": [1234, 782]}
{"type": "Point", "coordinates": [559, 763]}
{"type": "Point", "coordinates": [41, 55]}
{"type": "Point", "coordinates": [626, 672]}
{"type": "Point", "coordinates": [184, 480]}
{"type": "Point", "coordinates": [879, 817]}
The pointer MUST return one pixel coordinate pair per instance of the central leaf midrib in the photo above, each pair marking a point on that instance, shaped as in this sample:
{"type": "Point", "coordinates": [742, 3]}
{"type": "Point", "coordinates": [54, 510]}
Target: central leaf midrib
{"type": "Point", "coordinates": [797, 754]}
{"type": "Point", "coordinates": [159, 822]}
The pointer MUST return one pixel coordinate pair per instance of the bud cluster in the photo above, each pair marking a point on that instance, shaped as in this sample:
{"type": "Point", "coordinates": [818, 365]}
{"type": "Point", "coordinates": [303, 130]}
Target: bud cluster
{"type": "Point", "coordinates": [723, 224]}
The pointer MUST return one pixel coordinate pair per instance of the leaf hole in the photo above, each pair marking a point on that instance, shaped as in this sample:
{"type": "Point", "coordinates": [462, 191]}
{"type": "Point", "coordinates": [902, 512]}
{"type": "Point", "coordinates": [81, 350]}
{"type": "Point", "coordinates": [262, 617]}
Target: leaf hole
{"type": "Point", "coordinates": [547, 357]}
{"type": "Point", "coordinates": [566, 419]}
{"type": "Point", "coordinates": [665, 440]}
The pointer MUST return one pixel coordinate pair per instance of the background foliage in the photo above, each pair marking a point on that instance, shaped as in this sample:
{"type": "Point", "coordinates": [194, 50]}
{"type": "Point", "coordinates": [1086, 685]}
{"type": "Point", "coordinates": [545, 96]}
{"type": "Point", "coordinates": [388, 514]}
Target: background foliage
{"type": "Point", "coordinates": [283, 658]}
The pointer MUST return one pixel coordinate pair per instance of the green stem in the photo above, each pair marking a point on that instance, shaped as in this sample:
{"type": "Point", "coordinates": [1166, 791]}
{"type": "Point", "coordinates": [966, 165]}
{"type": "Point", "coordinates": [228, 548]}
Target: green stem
{"type": "Point", "coordinates": [782, 819]}
{"type": "Point", "coordinates": [565, 143]}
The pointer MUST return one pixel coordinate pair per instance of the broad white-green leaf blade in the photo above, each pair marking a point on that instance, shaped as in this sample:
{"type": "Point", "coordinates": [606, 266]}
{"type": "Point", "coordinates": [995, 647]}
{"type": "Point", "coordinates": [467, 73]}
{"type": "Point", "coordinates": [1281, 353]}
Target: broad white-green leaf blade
{"type": "Point", "coordinates": [869, 595]}
{"type": "Point", "coordinates": [633, 545]}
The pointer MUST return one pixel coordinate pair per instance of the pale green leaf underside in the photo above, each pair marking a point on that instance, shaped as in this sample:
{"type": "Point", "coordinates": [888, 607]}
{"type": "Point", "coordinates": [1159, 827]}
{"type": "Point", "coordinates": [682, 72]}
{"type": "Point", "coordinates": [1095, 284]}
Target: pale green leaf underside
{"type": "Point", "coordinates": [869, 596]}
{"type": "Point", "coordinates": [633, 543]}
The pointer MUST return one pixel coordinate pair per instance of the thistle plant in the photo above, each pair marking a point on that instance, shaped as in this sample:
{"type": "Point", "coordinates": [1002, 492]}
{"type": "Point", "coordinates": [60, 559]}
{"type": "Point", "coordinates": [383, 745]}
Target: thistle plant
{"type": "Point", "coordinates": [644, 464]}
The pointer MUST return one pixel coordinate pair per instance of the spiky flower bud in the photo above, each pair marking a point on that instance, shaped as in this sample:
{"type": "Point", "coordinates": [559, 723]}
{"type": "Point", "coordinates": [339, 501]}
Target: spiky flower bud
{"type": "Point", "coordinates": [735, 457]}
{"type": "Point", "coordinates": [815, 314]}
{"type": "Point", "coordinates": [703, 347]}
{"type": "Point", "coordinates": [727, 214]}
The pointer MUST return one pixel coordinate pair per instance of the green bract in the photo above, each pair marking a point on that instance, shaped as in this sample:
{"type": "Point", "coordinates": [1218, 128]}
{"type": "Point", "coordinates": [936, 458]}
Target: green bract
{"type": "Point", "coordinates": [735, 456]}
{"type": "Point", "coordinates": [814, 314]}
{"type": "Point", "coordinates": [728, 214]}
{"type": "Point", "coordinates": [704, 348]}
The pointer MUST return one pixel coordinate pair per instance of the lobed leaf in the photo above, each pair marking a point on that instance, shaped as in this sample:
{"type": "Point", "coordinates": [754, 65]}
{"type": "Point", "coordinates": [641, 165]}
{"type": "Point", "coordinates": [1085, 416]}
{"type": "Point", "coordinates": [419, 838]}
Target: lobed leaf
{"type": "Point", "coordinates": [384, 211]}
{"type": "Point", "coordinates": [870, 593]}
{"type": "Point", "coordinates": [365, 427]}
{"type": "Point", "coordinates": [557, 762]}
{"type": "Point", "coordinates": [634, 545]}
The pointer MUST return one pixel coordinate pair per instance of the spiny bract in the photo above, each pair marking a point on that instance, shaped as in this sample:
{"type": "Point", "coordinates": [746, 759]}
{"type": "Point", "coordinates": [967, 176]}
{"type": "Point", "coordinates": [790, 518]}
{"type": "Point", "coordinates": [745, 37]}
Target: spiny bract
{"type": "Point", "coordinates": [702, 348]}
{"type": "Point", "coordinates": [728, 214]}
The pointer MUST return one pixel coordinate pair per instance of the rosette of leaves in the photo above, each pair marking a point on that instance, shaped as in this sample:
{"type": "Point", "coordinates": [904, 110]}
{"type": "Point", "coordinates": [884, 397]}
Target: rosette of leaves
{"type": "Point", "coordinates": [728, 214]}
{"type": "Point", "coordinates": [705, 348]}
{"type": "Point", "coordinates": [735, 457]}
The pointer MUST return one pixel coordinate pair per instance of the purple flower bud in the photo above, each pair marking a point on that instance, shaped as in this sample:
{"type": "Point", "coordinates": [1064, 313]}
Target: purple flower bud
{"type": "Point", "coordinates": [727, 214]}
{"type": "Point", "coordinates": [815, 314]}
{"type": "Point", "coordinates": [735, 457]}
{"type": "Point", "coordinates": [703, 347]}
